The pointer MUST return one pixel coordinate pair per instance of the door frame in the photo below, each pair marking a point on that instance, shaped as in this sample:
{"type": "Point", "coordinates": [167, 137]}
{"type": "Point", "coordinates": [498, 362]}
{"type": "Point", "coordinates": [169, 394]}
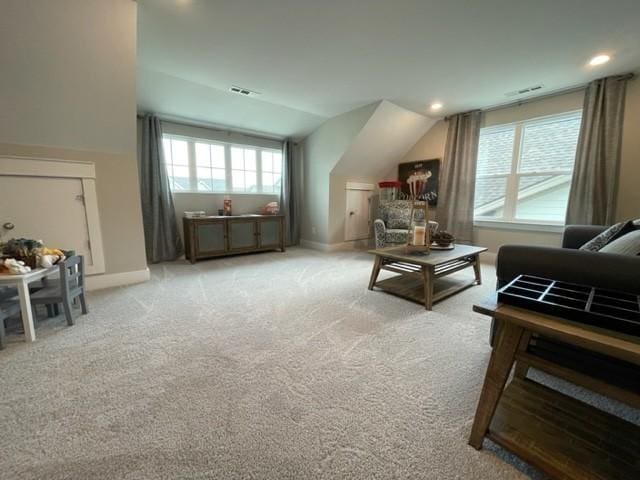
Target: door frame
{"type": "Point", "coordinates": [18, 166]}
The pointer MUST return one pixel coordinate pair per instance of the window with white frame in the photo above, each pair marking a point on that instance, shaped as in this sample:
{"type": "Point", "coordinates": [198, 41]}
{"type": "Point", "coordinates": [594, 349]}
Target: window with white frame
{"type": "Point", "coordinates": [176, 157]}
{"type": "Point", "coordinates": [524, 170]}
{"type": "Point", "coordinates": [271, 171]}
{"type": "Point", "coordinates": [205, 166]}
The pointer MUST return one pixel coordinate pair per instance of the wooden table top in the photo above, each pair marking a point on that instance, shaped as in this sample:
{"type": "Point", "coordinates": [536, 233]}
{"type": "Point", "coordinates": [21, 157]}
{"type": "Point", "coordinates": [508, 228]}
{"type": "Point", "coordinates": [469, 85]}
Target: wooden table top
{"type": "Point", "coordinates": [435, 257]}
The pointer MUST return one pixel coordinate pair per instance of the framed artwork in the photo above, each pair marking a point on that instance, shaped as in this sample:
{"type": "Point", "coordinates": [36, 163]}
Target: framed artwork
{"type": "Point", "coordinates": [430, 190]}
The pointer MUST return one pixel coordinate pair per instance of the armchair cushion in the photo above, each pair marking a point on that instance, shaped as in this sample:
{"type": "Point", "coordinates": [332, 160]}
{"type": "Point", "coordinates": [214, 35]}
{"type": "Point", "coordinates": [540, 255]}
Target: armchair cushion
{"type": "Point", "coordinates": [398, 219]}
{"type": "Point", "coordinates": [396, 235]}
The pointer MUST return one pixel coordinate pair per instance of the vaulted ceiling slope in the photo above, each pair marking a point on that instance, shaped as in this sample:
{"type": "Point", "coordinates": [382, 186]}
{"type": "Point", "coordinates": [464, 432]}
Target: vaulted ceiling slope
{"type": "Point", "coordinates": [317, 59]}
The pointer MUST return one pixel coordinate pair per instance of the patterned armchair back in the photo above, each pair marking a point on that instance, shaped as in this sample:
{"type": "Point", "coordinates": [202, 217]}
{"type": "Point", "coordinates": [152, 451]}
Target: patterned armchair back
{"type": "Point", "coordinates": [395, 214]}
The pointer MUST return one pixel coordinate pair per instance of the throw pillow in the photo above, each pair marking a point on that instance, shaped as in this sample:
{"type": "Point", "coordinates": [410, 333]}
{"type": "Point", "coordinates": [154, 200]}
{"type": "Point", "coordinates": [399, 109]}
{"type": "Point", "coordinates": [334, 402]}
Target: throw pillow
{"type": "Point", "coordinates": [628, 244]}
{"type": "Point", "coordinates": [609, 235]}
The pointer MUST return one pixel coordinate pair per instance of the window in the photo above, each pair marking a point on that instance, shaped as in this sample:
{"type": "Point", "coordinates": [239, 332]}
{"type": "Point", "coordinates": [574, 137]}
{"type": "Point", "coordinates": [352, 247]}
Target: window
{"type": "Point", "coordinates": [197, 165]}
{"type": "Point", "coordinates": [524, 170]}
{"type": "Point", "coordinates": [176, 157]}
{"type": "Point", "coordinates": [244, 173]}
{"type": "Point", "coordinates": [271, 171]}
{"type": "Point", "coordinates": [210, 167]}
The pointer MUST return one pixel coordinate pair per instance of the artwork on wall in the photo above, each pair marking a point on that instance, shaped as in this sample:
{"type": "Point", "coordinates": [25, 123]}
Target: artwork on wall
{"type": "Point", "coordinates": [421, 167]}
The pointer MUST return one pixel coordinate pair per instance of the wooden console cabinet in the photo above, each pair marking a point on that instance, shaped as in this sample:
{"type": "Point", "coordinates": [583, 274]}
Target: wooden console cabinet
{"type": "Point", "coordinates": [208, 237]}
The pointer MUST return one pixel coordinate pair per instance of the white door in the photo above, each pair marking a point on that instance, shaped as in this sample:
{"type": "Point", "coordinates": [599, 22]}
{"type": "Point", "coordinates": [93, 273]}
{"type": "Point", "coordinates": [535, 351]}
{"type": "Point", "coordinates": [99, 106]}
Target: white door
{"type": "Point", "coordinates": [357, 220]}
{"type": "Point", "coordinates": [47, 209]}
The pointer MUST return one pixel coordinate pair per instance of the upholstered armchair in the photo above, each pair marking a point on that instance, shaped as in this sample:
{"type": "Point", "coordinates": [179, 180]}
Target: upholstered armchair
{"type": "Point", "coordinates": [392, 225]}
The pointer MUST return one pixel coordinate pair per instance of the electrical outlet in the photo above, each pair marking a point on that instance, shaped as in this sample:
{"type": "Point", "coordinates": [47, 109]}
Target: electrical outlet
{"type": "Point", "coordinates": [314, 231]}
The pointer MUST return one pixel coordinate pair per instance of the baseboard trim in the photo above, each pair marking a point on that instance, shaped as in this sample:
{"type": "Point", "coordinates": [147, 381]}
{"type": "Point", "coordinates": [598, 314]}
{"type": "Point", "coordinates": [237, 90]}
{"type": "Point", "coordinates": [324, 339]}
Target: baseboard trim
{"type": "Point", "coordinates": [334, 247]}
{"type": "Point", "coordinates": [98, 282]}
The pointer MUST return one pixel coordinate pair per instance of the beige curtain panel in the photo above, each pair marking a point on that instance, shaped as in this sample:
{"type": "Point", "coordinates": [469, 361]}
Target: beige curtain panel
{"type": "Point", "coordinates": [458, 177]}
{"type": "Point", "coordinates": [592, 199]}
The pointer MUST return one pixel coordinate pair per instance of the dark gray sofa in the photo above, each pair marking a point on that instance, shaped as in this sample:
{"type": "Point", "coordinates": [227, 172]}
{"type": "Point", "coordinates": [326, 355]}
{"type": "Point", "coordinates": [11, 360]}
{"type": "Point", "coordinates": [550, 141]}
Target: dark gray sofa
{"type": "Point", "coordinates": [605, 270]}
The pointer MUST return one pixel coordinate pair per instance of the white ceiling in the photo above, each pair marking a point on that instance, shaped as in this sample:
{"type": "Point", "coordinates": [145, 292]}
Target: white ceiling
{"type": "Point", "coordinates": [314, 59]}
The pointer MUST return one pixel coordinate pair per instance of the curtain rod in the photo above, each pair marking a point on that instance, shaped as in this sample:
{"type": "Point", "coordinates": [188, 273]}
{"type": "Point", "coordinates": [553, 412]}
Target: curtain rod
{"type": "Point", "coordinates": [209, 126]}
{"type": "Point", "coordinates": [557, 93]}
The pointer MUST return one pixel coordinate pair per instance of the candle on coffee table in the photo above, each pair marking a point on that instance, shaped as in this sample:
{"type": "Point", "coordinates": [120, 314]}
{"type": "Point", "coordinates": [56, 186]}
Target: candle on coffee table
{"type": "Point", "coordinates": [418, 235]}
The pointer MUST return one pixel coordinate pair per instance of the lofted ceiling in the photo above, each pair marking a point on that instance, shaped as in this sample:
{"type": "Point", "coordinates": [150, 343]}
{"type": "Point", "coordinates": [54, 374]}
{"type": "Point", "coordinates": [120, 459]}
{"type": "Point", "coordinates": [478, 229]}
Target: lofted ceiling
{"type": "Point", "coordinates": [314, 59]}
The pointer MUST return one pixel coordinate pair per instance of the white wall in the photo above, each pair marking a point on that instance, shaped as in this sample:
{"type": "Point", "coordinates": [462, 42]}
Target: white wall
{"type": "Point", "coordinates": [67, 90]}
{"type": "Point", "coordinates": [68, 75]}
{"type": "Point", "coordinates": [358, 146]}
{"type": "Point", "coordinates": [322, 150]}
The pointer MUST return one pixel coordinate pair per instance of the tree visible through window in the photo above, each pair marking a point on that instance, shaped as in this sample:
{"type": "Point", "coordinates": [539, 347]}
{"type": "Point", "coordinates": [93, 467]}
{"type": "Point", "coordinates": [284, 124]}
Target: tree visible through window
{"type": "Point", "coordinates": [524, 170]}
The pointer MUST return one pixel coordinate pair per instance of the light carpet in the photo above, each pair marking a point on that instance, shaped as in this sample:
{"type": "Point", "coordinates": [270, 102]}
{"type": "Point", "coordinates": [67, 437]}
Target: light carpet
{"type": "Point", "coordinates": [270, 366]}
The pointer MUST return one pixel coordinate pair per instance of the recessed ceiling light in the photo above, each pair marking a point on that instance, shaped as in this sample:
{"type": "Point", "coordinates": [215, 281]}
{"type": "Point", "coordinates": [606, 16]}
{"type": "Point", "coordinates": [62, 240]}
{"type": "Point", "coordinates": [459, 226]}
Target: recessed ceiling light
{"type": "Point", "coordinates": [599, 60]}
{"type": "Point", "coordinates": [436, 106]}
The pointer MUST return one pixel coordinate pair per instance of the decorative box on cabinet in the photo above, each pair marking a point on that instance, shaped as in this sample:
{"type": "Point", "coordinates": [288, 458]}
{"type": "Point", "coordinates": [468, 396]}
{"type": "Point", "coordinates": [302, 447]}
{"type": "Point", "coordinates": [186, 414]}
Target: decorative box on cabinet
{"type": "Point", "coordinates": [207, 237]}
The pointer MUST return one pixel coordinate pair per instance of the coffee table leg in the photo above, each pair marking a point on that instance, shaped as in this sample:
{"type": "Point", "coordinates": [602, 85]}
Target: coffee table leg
{"type": "Point", "coordinates": [500, 365]}
{"type": "Point", "coordinates": [376, 270]}
{"type": "Point", "coordinates": [476, 269]}
{"type": "Point", "coordinates": [427, 277]}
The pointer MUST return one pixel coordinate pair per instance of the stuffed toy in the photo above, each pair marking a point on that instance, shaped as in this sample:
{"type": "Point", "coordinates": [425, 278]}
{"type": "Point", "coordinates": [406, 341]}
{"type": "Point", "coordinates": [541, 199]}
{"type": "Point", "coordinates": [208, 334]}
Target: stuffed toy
{"type": "Point", "coordinates": [16, 267]}
{"type": "Point", "coordinates": [47, 257]}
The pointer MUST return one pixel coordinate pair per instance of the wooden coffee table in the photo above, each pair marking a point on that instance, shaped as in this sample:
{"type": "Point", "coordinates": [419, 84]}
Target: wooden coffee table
{"type": "Point", "coordinates": [418, 273]}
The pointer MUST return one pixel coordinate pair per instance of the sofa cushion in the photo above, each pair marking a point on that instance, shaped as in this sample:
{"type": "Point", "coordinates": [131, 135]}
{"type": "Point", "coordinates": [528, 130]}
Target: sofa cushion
{"type": "Point", "coordinates": [628, 244]}
{"type": "Point", "coordinates": [609, 235]}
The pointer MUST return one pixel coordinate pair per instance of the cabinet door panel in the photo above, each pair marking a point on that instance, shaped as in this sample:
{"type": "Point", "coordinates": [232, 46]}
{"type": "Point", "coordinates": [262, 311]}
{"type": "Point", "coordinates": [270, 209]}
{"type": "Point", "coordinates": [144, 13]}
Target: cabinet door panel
{"type": "Point", "coordinates": [210, 238]}
{"type": "Point", "coordinates": [270, 233]}
{"type": "Point", "coordinates": [242, 235]}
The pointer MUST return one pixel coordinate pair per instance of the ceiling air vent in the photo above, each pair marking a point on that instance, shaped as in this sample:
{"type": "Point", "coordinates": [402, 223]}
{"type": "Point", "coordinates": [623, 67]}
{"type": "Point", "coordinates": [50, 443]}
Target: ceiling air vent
{"type": "Point", "coordinates": [243, 91]}
{"type": "Point", "coordinates": [524, 90]}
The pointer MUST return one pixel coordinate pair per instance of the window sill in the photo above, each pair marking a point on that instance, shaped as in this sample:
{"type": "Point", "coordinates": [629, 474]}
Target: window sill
{"type": "Point", "coordinates": [192, 192]}
{"type": "Point", "coordinates": [522, 226]}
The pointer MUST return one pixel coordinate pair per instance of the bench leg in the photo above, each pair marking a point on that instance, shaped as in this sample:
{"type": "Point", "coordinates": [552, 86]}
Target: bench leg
{"type": "Point", "coordinates": [500, 365]}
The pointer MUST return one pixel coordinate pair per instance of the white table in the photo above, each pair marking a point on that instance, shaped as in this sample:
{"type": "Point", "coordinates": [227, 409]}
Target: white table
{"type": "Point", "coordinates": [22, 283]}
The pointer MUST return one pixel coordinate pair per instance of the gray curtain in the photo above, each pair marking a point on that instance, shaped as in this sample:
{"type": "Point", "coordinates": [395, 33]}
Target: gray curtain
{"type": "Point", "coordinates": [458, 176]}
{"type": "Point", "coordinates": [162, 240]}
{"type": "Point", "coordinates": [592, 199]}
{"type": "Point", "coordinates": [290, 190]}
